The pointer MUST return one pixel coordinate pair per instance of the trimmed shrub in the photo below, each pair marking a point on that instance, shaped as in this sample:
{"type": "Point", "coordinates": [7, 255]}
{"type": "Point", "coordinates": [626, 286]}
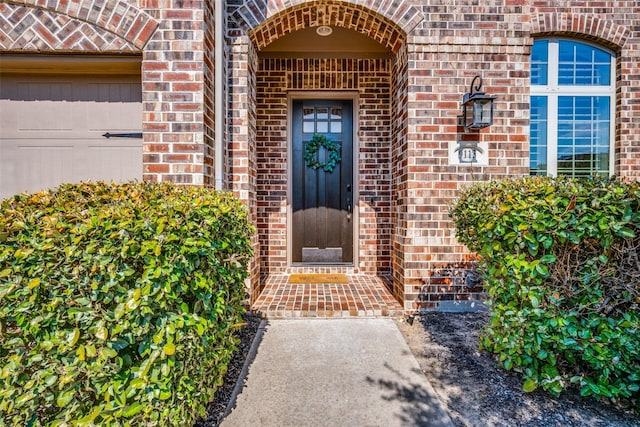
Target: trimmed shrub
{"type": "Point", "coordinates": [561, 259]}
{"type": "Point", "coordinates": [117, 303]}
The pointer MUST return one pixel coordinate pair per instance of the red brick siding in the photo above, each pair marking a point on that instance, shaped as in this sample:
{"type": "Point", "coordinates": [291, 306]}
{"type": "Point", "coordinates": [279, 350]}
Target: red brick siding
{"type": "Point", "coordinates": [452, 45]}
{"type": "Point", "coordinates": [241, 147]}
{"type": "Point", "coordinates": [399, 163]}
{"type": "Point", "coordinates": [173, 79]}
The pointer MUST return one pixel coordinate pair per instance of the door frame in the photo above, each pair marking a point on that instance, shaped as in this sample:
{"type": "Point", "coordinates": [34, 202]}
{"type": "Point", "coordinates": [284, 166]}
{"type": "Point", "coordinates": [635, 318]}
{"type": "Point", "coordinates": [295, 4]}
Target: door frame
{"type": "Point", "coordinates": [328, 95]}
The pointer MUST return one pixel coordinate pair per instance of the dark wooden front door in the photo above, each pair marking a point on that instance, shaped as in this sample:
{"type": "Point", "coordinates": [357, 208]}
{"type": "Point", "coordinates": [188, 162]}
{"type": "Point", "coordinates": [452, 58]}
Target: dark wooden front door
{"type": "Point", "coordinates": [322, 199]}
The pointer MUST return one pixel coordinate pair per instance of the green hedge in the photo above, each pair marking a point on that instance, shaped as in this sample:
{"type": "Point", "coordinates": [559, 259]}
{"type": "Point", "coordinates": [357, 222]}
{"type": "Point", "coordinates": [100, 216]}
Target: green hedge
{"type": "Point", "coordinates": [562, 264]}
{"type": "Point", "coordinates": [117, 303]}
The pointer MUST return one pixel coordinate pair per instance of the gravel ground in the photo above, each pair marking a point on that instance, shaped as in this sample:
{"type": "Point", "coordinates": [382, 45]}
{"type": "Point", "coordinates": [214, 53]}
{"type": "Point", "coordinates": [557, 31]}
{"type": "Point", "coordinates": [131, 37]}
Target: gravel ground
{"type": "Point", "coordinates": [475, 391]}
{"type": "Point", "coordinates": [479, 393]}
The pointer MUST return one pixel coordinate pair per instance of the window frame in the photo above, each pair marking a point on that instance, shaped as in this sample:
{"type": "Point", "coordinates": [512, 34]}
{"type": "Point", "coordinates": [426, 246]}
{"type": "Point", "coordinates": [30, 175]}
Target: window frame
{"type": "Point", "coordinates": [553, 91]}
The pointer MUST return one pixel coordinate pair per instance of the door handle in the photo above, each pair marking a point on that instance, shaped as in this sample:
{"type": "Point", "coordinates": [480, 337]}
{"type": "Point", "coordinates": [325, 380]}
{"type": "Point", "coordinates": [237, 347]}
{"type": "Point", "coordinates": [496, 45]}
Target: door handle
{"type": "Point", "coordinates": [349, 207]}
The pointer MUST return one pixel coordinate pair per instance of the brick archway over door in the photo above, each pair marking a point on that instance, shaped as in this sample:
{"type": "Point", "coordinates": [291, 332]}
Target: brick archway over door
{"type": "Point", "coordinates": [266, 21]}
{"type": "Point", "coordinates": [256, 24]}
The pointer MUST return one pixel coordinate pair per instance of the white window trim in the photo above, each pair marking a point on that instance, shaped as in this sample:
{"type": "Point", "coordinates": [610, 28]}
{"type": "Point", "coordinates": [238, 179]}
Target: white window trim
{"type": "Point", "coordinates": [553, 91]}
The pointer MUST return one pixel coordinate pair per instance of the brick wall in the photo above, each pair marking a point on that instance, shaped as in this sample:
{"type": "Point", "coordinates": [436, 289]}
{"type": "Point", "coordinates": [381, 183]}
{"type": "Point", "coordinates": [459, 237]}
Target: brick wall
{"type": "Point", "coordinates": [399, 163]}
{"type": "Point", "coordinates": [29, 29]}
{"type": "Point", "coordinates": [173, 71]}
{"type": "Point", "coordinates": [454, 43]}
{"type": "Point", "coordinates": [241, 146]}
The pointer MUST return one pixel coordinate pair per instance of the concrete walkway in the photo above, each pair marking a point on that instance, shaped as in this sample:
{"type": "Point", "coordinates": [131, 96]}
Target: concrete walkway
{"type": "Point", "coordinates": [338, 372]}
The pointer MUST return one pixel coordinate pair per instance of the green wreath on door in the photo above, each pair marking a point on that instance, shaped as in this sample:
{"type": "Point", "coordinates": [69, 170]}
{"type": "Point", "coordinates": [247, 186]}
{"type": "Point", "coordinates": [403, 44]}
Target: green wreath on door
{"type": "Point", "coordinates": [311, 153]}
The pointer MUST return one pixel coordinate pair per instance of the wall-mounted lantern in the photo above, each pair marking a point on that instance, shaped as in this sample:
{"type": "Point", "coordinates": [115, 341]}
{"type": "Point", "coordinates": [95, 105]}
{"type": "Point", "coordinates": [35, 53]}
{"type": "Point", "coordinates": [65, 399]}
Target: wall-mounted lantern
{"type": "Point", "coordinates": [477, 107]}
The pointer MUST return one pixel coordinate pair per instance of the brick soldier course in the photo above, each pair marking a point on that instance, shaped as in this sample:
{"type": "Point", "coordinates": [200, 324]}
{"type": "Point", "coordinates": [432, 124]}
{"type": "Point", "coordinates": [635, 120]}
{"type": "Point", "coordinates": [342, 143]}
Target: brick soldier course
{"type": "Point", "coordinates": [408, 107]}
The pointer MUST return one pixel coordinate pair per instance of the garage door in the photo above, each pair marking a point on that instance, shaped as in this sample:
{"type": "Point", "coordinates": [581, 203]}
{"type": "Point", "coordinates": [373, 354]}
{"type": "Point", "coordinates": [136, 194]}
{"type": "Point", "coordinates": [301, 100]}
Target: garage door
{"type": "Point", "coordinates": [51, 129]}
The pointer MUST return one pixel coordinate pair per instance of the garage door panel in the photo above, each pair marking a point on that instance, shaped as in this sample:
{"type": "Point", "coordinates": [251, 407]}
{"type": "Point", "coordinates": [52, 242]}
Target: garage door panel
{"type": "Point", "coordinates": [51, 104]}
{"type": "Point", "coordinates": [113, 163]}
{"type": "Point", "coordinates": [44, 91]}
{"type": "Point", "coordinates": [40, 167]}
{"type": "Point", "coordinates": [61, 121]}
{"type": "Point", "coordinates": [51, 130]}
{"type": "Point", "coordinates": [116, 109]}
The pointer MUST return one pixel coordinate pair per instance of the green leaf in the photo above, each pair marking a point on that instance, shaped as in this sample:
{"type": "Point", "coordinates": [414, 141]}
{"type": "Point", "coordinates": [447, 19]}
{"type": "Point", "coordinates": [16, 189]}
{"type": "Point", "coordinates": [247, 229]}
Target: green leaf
{"type": "Point", "coordinates": [118, 312]}
{"type": "Point", "coordinates": [535, 302]}
{"type": "Point", "coordinates": [50, 380]}
{"type": "Point", "coordinates": [529, 386]}
{"type": "Point", "coordinates": [74, 336]}
{"type": "Point", "coordinates": [118, 344]}
{"type": "Point", "coordinates": [133, 410]}
{"type": "Point", "coordinates": [102, 333]}
{"type": "Point", "coordinates": [80, 352]}
{"type": "Point", "coordinates": [548, 259]}
{"type": "Point", "coordinates": [542, 270]}
{"type": "Point", "coordinates": [169, 348]}
{"type": "Point", "coordinates": [64, 398]}
{"type": "Point", "coordinates": [626, 232]}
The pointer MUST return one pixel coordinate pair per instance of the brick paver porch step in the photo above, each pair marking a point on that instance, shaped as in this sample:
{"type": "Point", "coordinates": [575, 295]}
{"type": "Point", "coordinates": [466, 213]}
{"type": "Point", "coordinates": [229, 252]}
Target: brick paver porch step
{"type": "Point", "coordinates": [363, 296]}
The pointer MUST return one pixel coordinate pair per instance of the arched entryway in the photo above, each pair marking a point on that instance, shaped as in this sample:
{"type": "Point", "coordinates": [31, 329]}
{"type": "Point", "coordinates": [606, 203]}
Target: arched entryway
{"type": "Point", "coordinates": [291, 81]}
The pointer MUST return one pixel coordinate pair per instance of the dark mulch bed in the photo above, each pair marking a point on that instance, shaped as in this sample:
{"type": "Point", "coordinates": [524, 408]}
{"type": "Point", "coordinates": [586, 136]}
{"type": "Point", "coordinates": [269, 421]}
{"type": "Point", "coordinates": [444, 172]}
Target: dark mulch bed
{"type": "Point", "coordinates": [478, 392]}
{"type": "Point", "coordinates": [217, 408]}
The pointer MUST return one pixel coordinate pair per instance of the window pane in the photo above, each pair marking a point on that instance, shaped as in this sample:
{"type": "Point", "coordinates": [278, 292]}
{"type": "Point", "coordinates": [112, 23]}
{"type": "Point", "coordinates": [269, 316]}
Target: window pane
{"type": "Point", "coordinates": [580, 64]}
{"type": "Point", "coordinates": [581, 132]}
{"type": "Point", "coordinates": [307, 127]}
{"type": "Point", "coordinates": [583, 135]}
{"type": "Point", "coordinates": [336, 120]}
{"type": "Point", "coordinates": [308, 113]}
{"type": "Point", "coordinates": [323, 113]}
{"type": "Point", "coordinates": [538, 153]}
{"type": "Point", "coordinates": [323, 127]}
{"type": "Point", "coordinates": [539, 62]}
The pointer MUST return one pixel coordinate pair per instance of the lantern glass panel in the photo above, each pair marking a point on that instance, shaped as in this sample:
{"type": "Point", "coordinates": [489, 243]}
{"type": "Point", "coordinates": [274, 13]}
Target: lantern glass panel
{"type": "Point", "coordinates": [482, 112]}
{"type": "Point", "coordinates": [478, 112]}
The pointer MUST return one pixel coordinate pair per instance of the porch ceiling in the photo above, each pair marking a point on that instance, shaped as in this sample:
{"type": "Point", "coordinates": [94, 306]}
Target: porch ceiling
{"type": "Point", "coordinates": [342, 42]}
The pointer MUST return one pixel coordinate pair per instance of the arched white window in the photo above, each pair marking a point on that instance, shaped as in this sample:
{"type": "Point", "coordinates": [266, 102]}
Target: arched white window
{"type": "Point", "coordinates": [572, 109]}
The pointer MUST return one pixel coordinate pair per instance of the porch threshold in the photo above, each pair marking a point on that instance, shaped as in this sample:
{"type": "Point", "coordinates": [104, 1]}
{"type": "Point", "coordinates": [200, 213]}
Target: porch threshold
{"type": "Point", "coordinates": [362, 296]}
